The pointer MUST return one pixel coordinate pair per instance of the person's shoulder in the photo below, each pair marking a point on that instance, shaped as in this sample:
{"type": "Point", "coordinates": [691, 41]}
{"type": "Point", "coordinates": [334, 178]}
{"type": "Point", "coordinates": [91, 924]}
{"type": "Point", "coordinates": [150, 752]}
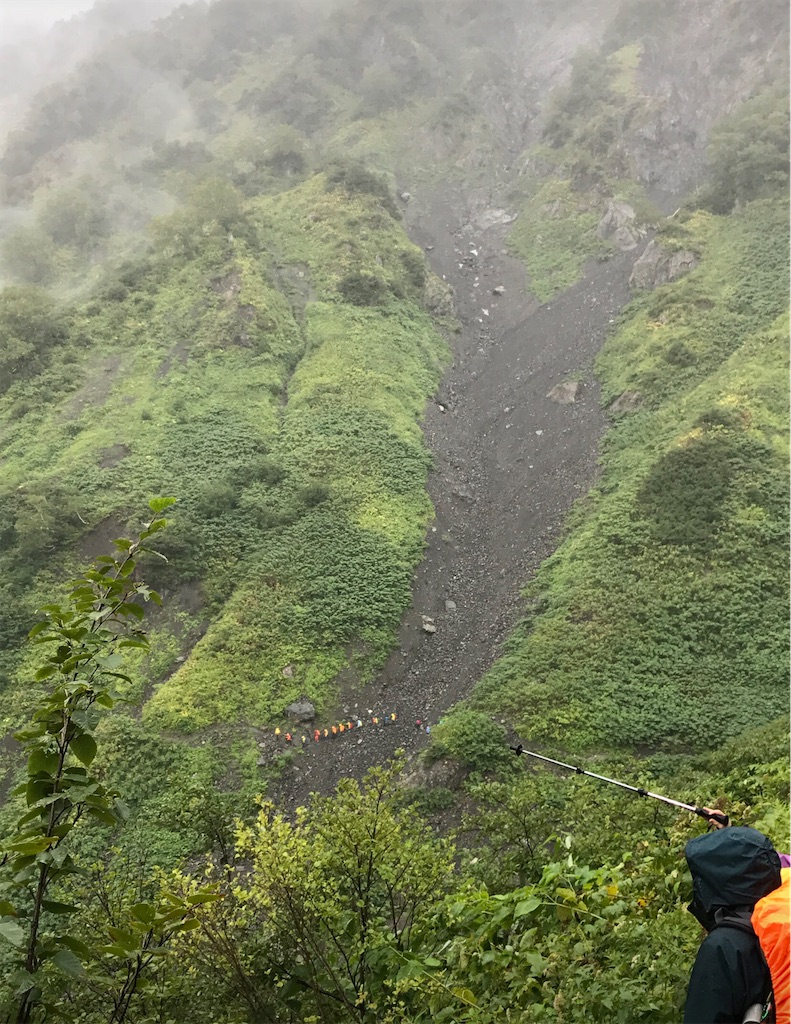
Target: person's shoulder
{"type": "Point", "coordinates": [726, 936]}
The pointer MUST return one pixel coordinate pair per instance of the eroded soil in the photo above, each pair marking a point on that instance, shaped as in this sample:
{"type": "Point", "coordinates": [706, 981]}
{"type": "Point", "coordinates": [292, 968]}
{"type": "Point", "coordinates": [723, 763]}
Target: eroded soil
{"type": "Point", "coordinates": [508, 464]}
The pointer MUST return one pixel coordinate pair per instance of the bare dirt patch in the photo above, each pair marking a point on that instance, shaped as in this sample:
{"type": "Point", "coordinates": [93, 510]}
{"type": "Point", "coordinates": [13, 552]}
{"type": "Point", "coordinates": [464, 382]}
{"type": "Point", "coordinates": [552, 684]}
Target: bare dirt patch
{"type": "Point", "coordinates": [112, 456]}
{"type": "Point", "coordinates": [96, 389]}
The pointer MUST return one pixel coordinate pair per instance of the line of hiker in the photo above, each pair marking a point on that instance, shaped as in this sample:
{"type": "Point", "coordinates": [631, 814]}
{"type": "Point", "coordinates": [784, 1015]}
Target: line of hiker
{"type": "Point", "coordinates": [333, 731]}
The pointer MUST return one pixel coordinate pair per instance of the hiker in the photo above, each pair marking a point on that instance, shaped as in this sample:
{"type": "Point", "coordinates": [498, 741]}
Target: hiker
{"type": "Point", "coordinates": [376, 720]}
{"type": "Point", "coordinates": [304, 740]}
{"type": "Point", "coordinates": [732, 869]}
{"type": "Point", "coordinates": [288, 738]}
{"type": "Point", "coordinates": [334, 731]}
{"type": "Point", "coordinates": [277, 734]}
{"type": "Point", "coordinates": [316, 735]}
{"type": "Point", "coordinates": [359, 723]}
{"type": "Point", "coordinates": [428, 730]}
{"type": "Point", "coordinates": [393, 717]}
{"type": "Point", "coordinates": [350, 725]}
{"type": "Point", "coordinates": [385, 720]}
{"type": "Point", "coordinates": [326, 733]}
{"type": "Point", "coordinates": [418, 725]}
{"type": "Point", "coordinates": [341, 727]}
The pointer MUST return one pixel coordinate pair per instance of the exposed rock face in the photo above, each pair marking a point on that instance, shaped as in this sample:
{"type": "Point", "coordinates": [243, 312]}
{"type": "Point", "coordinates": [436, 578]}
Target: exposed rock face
{"type": "Point", "coordinates": [301, 711]}
{"type": "Point", "coordinates": [618, 225]}
{"type": "Point", "coordinates": [564, 394]}
{"type": "Point", "coordinates": [629, 401]}
{"type": "Point", "coordinates": [658, 266]}
{"type": "Point", "coordinates": [438, 296]}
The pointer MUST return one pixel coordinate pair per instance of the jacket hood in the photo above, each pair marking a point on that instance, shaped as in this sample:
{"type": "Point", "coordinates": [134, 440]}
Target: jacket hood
{"type": "Point", "coordinates": [732, 867]}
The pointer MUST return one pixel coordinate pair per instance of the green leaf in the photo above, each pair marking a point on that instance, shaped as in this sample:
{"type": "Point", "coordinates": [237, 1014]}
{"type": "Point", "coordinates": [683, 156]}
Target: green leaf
{"type": "Point", "coordinates": [59, 908]}
{"type": "Point", "coordinates": [12, 932]}
{"type": "Point", "coordinates": [121, 809]}
{"type": "Point", "coordinates": [187, 926]}
{"type": "Point", "coordinates": [160, 504]}
{"type": "Point", "coordinates": [143, 912]}
{"type": "Point", "coordinates": [69, 963]}
{"type": "Point", "coordinates": [75, 945]}
{"type": "Point", "coordinates": [203, 897]}
{"type": "Point", "coordinates": [466, 995]}
{"type": "Point", "coordinates": [32, 846]}
{"type": "Point", "coordinates": [527, 906]}
{"type": "Point", "coordinates": [84, 748]}
{"type": "Point", "coordinates": [41, 760]}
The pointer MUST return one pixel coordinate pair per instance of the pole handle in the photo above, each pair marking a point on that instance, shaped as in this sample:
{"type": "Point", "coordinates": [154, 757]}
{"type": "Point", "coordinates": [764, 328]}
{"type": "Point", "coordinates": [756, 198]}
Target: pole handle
{"type": "Point", "coordinates": [721, 819]}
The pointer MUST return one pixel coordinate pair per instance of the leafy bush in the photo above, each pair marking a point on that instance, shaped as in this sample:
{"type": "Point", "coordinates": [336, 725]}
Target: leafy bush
{"type": "Point", "coordinates": [31, 327]}
{"type": "Point", "coordinates": [29, 255]}
{"type": "Point", "coordinates": [471, 738]}
{"type": "Point", "coordinates": [356, 179]}
{"type": "Point", "coordinates": [749, 152]}
{"type": "Point", "coordinates": [363, 289]}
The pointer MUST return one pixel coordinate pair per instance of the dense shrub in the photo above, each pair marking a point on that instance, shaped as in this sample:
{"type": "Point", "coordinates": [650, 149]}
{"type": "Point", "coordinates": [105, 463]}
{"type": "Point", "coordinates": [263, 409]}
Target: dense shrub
{"type": "Point", "coordinates": [363, 289]}
{"type": "Point", "coordinates": [31, 326]}
{"type": "Point", "coordinates": [471, 738]}
{"type": "Point", "coordinates": [749, 152]}
{"type": "Point", "coordinates": [356, 179]}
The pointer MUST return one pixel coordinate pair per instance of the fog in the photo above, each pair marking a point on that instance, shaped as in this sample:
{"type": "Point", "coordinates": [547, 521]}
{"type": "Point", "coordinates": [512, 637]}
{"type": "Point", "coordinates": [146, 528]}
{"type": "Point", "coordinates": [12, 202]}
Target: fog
{"type": "Point", "coordinates": [41, 41]}
{"type": "Point", "coordinates": [20, 17]}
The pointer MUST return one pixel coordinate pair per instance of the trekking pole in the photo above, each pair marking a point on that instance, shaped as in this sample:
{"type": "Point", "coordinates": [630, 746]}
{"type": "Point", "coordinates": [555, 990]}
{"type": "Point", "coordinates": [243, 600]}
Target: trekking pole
{"type": "Point", "coordinates": [722, 819]}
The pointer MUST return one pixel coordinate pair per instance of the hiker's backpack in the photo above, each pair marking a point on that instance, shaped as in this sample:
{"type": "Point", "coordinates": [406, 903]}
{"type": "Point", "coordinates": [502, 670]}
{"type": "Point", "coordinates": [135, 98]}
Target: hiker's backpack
{"type": "Point", "coordinates": [771, 921]}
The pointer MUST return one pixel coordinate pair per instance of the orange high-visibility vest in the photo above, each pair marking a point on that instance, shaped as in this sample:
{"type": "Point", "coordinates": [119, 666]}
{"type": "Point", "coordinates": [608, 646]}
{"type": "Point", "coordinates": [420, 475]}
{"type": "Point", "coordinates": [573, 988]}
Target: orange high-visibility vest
{"type": "Point", "coordinates": [772, 923]}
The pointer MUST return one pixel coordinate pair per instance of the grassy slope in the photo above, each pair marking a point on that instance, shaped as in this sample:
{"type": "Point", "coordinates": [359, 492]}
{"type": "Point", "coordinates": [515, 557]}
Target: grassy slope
{"type": "Point", "coordinates": [330, 587]}
{"type": "Point", "coordinates": [286, 420]}
{"type": "Point", "coordinates": [663, 610]}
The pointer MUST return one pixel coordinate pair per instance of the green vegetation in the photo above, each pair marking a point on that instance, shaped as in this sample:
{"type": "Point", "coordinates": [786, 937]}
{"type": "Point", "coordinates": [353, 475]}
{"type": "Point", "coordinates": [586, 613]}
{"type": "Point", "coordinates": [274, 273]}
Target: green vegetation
{"type": "Point", "coordinates": [555, 235]}
{"type": "Point", "coordinates": [580, 165]}
{"type": "Point", "coordinates": [229, 309]}
{"type": "Point", "coordinates": [748, 152]}
{"type": "Point", "coordinates": [670, 591]}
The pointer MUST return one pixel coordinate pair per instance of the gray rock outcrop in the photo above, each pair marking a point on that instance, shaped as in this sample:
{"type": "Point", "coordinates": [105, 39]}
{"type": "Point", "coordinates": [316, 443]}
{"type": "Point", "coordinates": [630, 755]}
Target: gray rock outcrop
{"type": "Point", "coordinates": [619, 226]}
{"type": "Point", "coordinates": [301, 711]}
{"type": "Point", "coordinates": [658, 265]}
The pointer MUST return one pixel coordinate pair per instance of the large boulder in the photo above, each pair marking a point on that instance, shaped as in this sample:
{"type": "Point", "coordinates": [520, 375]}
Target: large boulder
{"type": "Point", "coordinates": [301, 711]}
{"type": "Point", "coordinates": [658, 265]}
{"type": "Point", "coordinates": [619, 226]}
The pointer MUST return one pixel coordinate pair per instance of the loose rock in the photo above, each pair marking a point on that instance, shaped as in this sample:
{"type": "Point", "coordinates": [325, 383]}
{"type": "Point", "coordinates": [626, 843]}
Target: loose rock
{"type": "Point", "coordinates": [564, 394]}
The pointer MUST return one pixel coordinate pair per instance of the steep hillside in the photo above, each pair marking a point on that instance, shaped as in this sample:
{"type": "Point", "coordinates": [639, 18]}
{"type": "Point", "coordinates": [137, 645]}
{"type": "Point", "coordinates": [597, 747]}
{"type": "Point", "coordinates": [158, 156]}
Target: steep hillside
{"type": "Point", "coordinates": [411, 307]}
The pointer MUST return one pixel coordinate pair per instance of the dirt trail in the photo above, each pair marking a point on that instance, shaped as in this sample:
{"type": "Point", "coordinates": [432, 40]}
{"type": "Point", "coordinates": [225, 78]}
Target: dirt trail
{"type": "Point", "coordinates": [508, 464]}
